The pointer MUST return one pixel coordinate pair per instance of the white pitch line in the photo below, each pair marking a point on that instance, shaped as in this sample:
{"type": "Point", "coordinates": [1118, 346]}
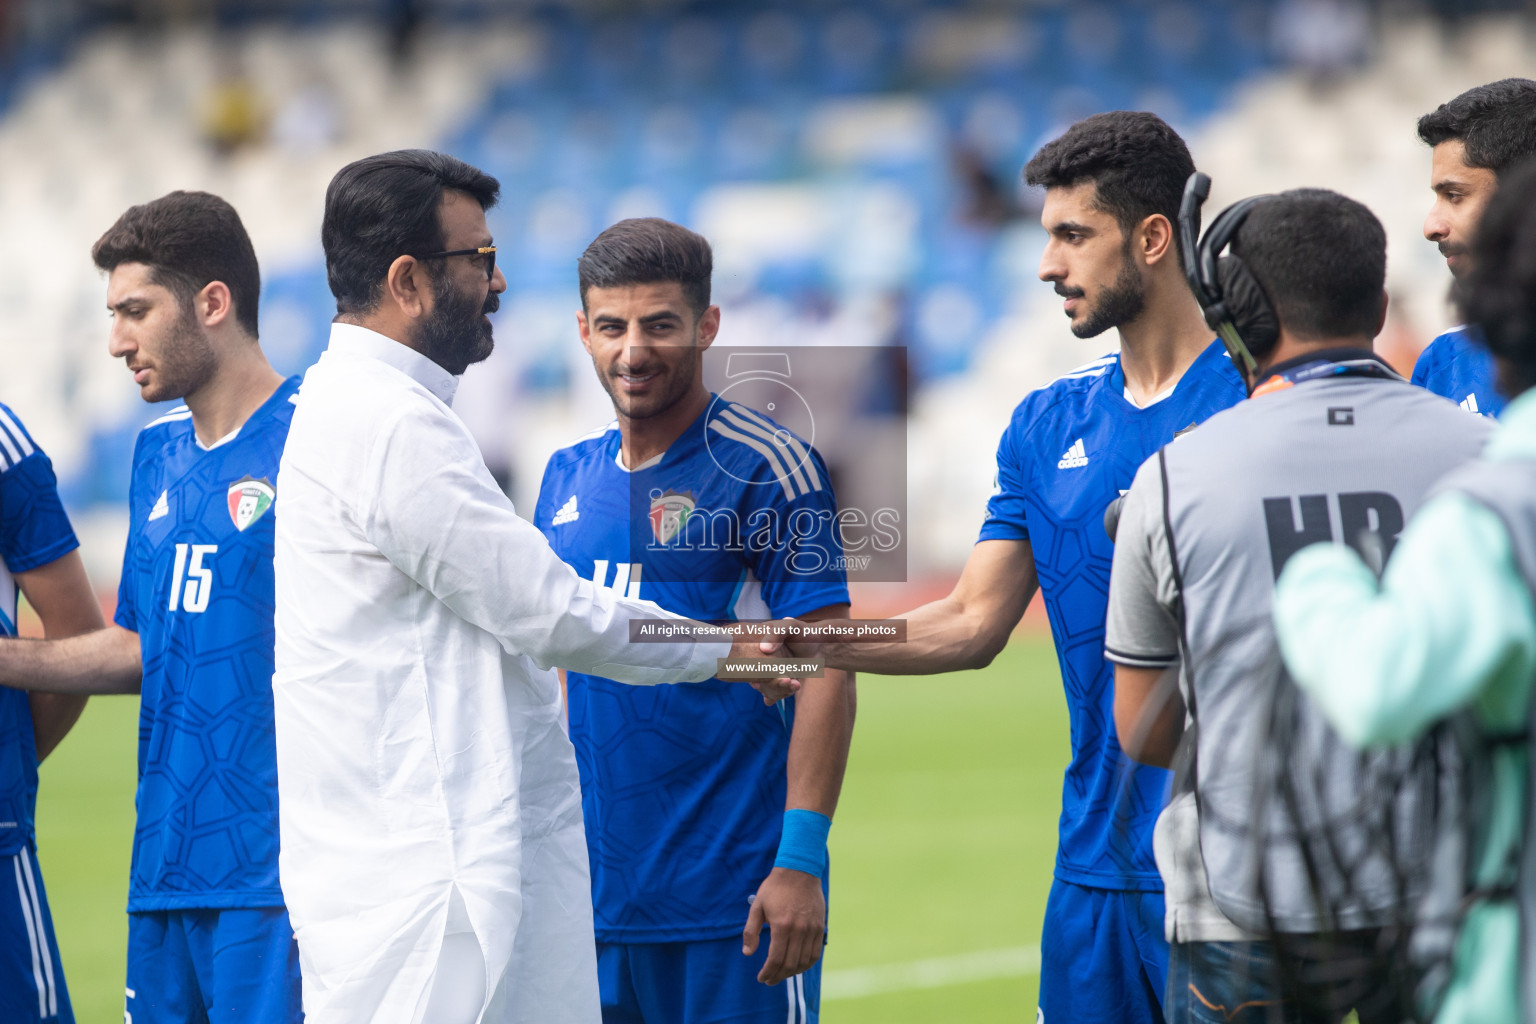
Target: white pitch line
{"type": "Point", "coordinates": [936, 972]}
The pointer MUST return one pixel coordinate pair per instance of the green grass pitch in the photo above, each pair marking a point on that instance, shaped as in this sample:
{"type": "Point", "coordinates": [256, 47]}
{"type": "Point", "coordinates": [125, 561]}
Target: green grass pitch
{"type": "Point", "coordinates": [943, 843]}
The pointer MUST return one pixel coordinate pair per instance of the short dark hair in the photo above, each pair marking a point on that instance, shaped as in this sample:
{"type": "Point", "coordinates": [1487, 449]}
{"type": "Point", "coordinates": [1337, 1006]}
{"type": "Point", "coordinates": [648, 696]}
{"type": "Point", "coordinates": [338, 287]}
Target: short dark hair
{"type": "Point", "coordinates": [1498, 294]}
{"type": "Point", "coordinates": [1495, 122]}
{"type": "Point", "coordinates": [187, 239]}
{"type": "Point", "coordinates": [646, 250]}
{"type": "Point", "coordinates": [1138, 165]}
{"type": "Point", "coordinates": [385, 206]}
{"type": "Point", "coordinates": [1321, 259]}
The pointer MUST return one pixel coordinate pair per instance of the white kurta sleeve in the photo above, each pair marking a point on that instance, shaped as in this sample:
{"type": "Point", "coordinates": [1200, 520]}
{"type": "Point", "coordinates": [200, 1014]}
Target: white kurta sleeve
{"type": "Point", "coordinates": [432, 509]}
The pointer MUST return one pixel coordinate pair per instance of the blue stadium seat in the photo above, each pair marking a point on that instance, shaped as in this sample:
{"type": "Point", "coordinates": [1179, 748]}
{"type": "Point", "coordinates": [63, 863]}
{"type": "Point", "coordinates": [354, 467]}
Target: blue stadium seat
{"type": "Point", "coordinates": [645, 110]}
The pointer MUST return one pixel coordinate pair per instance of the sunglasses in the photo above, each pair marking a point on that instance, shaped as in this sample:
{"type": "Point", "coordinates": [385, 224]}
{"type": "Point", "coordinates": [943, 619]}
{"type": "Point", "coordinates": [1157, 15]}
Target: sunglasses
{"type": "Point", "coordinates": [488, 251]}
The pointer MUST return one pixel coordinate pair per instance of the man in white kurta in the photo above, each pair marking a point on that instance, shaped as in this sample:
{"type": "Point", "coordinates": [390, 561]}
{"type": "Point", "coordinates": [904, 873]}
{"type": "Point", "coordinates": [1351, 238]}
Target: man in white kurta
{"type": "Point", "coordinates": [427, 785]}
{"type": "Point", "coordinates": [433, 859]}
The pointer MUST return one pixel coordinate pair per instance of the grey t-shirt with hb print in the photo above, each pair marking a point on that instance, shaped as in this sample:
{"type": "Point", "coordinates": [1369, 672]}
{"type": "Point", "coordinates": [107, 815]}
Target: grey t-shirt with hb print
{"type": "Point", "coordinates": [1343, 458]}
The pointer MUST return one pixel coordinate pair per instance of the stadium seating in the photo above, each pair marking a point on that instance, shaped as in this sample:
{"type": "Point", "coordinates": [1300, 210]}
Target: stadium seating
{"type": "Point", "coordinates": [856, 167]}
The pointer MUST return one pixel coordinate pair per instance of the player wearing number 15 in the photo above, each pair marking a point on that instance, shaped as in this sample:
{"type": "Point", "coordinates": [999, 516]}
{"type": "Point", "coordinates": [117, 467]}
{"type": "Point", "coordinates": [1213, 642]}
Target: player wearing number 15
{"type": "Point", "coordinates": [208, 936]}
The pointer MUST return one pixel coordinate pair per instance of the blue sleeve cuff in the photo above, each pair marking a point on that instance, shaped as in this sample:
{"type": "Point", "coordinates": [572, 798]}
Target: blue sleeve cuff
{"type": "Point", "coordinates": [803, 844]}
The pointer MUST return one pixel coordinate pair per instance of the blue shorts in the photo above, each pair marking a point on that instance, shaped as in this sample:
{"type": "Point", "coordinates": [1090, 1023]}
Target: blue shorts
{"type": "Point", "coordinates": [212, 967]}
{"type": "Point", "coordinates": [700, 983]}
{"type": "Point", "coordinates": [31, 974]}
{"type": "Point", "coordinates": [1103, 958]}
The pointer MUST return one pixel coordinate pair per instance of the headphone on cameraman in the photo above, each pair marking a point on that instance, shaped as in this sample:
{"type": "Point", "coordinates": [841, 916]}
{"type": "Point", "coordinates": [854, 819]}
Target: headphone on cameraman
{"type": "Point", "coordinates": [1231, 298]}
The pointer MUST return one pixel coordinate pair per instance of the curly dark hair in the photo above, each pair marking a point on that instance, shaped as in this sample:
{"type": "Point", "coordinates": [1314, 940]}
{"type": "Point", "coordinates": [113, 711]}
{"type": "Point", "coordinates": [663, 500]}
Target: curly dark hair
{"type": "Point", "coordinates": [1499, 293]}
{"type": "Point", "coordinates": [1496, 123]}
{"type": "Point", "coordinates": [1138, 165]}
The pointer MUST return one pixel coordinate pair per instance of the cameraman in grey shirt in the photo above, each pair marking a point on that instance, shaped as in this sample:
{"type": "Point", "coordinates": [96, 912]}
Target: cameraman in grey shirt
{"type": "Point", "coordinates": [1332, 445]}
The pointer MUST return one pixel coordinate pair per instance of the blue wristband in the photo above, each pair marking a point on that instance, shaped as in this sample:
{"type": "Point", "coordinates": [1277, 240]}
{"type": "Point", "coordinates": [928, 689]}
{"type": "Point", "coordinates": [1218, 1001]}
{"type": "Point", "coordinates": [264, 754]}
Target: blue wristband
{"type": "Point", "coordinates": [803, 845]}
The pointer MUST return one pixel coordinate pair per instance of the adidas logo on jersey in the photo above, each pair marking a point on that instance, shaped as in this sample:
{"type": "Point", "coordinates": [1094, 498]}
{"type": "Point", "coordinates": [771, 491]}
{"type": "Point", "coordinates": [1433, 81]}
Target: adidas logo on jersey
{"type": "Point", "coordinates": [1075, 457]}
{"type": "Point", "coordinates": [162, 507]}
{"type": "Point", "coordinates": [1470, 403]}
{"type": "Point", "coordinates": [567, 513]}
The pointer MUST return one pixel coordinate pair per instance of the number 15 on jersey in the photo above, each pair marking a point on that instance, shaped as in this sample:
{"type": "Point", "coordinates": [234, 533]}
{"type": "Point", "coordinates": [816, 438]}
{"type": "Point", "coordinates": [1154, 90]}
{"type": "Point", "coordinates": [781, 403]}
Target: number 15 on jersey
{"type": "Point", "coordinates": [192, 581]}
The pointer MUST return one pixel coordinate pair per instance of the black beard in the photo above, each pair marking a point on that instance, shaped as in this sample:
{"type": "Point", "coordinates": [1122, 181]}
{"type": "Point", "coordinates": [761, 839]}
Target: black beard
{"type": "Point", "coordinates": [1120, 303]}
{"type": "Point", "coordinates": [185, 362]}
{"type": "Point", "coordinates": [454, 335]}
{"type": "Point", "coordinates": [678, 384]}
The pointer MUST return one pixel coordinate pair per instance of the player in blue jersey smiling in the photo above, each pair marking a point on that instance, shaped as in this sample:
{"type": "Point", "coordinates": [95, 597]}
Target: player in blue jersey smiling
{"type": "Point", "coordinates": [38, 558]}
{"type": "Point", "coordinates": [1474, 140]}
{"type": "Point", "coordinates": [208, 937]}
{"type": "Point", "coordinates": [705, 810]}
{"type": "Point", "coordinates": [1113, 184]}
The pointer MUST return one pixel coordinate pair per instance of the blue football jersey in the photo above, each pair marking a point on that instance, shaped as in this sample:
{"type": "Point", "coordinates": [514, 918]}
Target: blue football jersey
{"type": "Point", "coordinates": [197, 588]}
{"type": "Point", "coordinates": [1455, 366]}
{"type": "Point", "coordinates": [683, 785]}
{"type": "Point", "coordinates": [1071, 448]}
{"type": "Point", "coordinates": [33, 532]}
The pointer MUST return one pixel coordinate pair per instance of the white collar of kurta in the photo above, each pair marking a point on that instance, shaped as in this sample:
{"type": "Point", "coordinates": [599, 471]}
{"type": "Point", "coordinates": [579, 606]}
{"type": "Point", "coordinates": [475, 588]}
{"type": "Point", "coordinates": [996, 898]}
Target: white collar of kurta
{"type": "Point", "coordinates": [352, 340]}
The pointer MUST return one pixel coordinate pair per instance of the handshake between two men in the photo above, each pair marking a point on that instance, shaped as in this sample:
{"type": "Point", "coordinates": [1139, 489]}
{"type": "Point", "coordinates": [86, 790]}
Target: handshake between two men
{"type": "Point", "coordinates": [776, 657]}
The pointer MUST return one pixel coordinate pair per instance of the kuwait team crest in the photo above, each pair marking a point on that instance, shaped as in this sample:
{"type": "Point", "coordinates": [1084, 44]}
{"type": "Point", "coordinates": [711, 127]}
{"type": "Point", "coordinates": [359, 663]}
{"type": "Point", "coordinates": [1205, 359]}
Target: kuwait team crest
{"type": "Point", "coordinates": [248, 500]}
{"type": "Point", "coordinates": [669, 512]}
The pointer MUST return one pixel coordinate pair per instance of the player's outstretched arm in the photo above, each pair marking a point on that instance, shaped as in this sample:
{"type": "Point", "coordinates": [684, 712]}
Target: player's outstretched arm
{"type": "Point", "coordinates": [790, 901]}
{"type": "Point", "coordinates": [964, 630]}
{"type": "Point", "coordinates": [104, 660]}
{"type": "Point", "coordinates": [61, 595]}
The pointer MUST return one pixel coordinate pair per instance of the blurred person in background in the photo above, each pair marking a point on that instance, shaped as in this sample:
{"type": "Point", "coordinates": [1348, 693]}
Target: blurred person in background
{"type": "Point", "coordinates": [1324, 38]}
{"type": "Point", "coordinates": [703, 807]}
{"type": "Point", "coordinates": [1475, 139]}
{"type": "Point", "coordinates": [38, 558]}
{"type": "Point", "coordinates": [235, 114]}
{"type": "Point", "coordinates": [1204, 531]}
{"type": "Point", "coordinates": [1113, 184]}
{"type": "Point", "coordinates": [989, 203]}
{"type": "Point", "coordinates": [310, 118]}
{"type": "Point", "coordinates": [1450, 629]}
{"type": "Point", "coordinates": [433, 855]}
{"type": "Point", "coordinates": [404, 18]}
{"type": "Point", "coordinates": [208, 936]}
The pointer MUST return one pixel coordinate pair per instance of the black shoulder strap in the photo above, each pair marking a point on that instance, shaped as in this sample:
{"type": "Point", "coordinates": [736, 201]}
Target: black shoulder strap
{"type": "Point", "coordinates": [1191, 737]}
